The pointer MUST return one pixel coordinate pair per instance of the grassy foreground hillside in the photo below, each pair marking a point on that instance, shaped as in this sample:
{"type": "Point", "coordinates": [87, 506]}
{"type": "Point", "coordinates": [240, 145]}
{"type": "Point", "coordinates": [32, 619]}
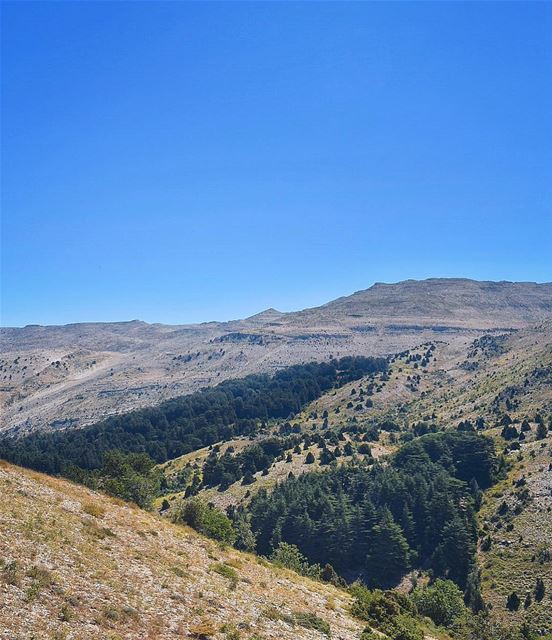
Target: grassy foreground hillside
{"type": "Point", "coordinates": [78, 565]}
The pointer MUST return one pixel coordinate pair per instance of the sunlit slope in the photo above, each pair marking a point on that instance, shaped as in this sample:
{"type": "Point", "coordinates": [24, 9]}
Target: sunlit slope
{"type": "Point", "coordinates": [76, 564]}
{"type": "Point", "coordinates": [74, 375]}
{"type": "Point", "coordinates": [516, 550]}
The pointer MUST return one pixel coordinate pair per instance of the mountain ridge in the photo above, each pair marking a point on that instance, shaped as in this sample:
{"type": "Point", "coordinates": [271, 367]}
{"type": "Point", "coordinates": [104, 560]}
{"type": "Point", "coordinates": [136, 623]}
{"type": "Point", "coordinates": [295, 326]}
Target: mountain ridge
{"type": "Point", "coordinates": [271, 311]}
{"type": "Point", "coordinates": [87, 371]}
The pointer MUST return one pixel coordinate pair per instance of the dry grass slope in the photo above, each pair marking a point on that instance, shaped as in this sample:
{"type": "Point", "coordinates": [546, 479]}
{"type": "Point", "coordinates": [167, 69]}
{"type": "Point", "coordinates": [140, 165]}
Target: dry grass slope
{"type": "Point", "coordinates": [520, 534]}
{"type": "Point", "coordinates": [79, 565]}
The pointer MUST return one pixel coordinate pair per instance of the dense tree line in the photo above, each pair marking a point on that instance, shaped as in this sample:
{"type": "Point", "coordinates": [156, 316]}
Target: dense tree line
{"type": "Point", "coordinates": [187, 423]}
{"type": "Point", "coordinates": [376, 522]}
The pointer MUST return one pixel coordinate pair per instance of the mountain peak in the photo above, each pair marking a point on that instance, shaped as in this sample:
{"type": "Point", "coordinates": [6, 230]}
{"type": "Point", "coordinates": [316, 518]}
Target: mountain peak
{"type": "Point", "coordinates": [266, 315]}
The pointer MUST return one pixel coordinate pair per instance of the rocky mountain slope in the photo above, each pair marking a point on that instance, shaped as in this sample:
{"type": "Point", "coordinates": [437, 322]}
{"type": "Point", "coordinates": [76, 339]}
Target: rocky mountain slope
{"type": "Point", "coordinates": [73, 375]}
{"type": "Point", "coordinates": [491, 377]}
{"type": "Point", "coordinates": [66, 553]}
{"type": "Point", "coordinates": [75, 564]}
{"type": "Point", "coordinates": [515, 552]}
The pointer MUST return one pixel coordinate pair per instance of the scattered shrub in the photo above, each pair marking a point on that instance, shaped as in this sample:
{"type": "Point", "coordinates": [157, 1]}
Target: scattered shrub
{"type": "Point", "coordinates": [227, 572]}
{"type": "Point", "coordinates": [93, 509]}
{"type": "Point", "coordinates": [311, 621]}
{"type": "Point", "coordinates": [289, 556]}
{"type": "Point", "coordinates": [10, 573]}
{"type": "Point", "coordinates": [203, 631]}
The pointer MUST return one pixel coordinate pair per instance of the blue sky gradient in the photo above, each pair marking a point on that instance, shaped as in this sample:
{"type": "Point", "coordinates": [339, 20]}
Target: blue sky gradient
{"type": "Point", "coordinates": [181, 162]}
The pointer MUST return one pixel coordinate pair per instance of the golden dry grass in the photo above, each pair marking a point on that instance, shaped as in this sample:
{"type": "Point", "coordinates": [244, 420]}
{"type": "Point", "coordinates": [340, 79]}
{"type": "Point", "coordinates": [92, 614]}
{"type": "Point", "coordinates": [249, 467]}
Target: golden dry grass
{"type": "Point", "coordinates": [79, 565]}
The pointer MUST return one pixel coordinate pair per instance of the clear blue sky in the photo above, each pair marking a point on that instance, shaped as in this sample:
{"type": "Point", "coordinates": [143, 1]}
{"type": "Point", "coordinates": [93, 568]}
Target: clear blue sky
{"type": "Point", "coordinates": [180, 162]}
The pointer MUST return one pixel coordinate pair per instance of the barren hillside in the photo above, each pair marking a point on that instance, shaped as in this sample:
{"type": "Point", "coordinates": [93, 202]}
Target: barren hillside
{"type": "Point", "coordinates": [73, 375]}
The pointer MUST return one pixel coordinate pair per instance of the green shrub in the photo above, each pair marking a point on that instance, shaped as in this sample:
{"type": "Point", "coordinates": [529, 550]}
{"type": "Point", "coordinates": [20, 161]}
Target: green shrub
{"type": "Point", "coordinates": [206, 519]}
{"type": "Point", "coordinates": [373, 606]}
{"type": "Point", "coordinates": [485, 626]}
{"type": "Point", "coordinates": [289, 556]}
{"type": "Point", "coordinates": [10, 573]}
{"type": "Point", "coordinates": [65, 614]}
{"type": "Point", "coordinates": [230, 632]}
{"type": "Point", "coordinates": [302, 618]}
{"type": "Point", "coordinates": [387, 611]}
{"type": "Point", "coordinates": [227, 572]}
{"type": "Point", "coordinates": [403, 628]}
{"type": "Point", "coordinates": [443, 602]}
{"type": "Point", "coordinates": [41, 579]}
{"type": "Point", "coordinates": [311, 621]}
{"type": "Point", "coordinates": [132, 477]}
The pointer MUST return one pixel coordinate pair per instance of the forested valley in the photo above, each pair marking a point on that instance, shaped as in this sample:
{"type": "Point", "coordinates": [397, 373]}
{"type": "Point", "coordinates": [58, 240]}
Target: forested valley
{"type": "Point", "coordinates": [178, 426]}
{"type": "Point", "coordinates": [365, 524]}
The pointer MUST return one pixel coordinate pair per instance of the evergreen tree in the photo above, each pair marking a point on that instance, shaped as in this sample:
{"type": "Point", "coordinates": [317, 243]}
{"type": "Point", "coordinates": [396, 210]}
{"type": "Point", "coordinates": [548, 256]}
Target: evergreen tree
{"type": "Point", "coordinates": [406, 522]}
{"type": "Point", "coordinates": [326, 456]}
{"type": "Point", "coordinates": [454, 556]}
{"type": "Point", "coordinates": [365, 521]}
{"type": "Point", "coordinates": [542, 431]}
{"type": "Point", "coordinates": [539, 590]}
{"type": "Point", "coordinates": [513, 602]}
{"type": "Point", "coordinates": [389, 555]}
{"type": "Point", "coordinates": [477, 494]}
{"type": "Point", "coordinates": [245, 538]}
{"type": "Point", "coordinates": [473, 597]}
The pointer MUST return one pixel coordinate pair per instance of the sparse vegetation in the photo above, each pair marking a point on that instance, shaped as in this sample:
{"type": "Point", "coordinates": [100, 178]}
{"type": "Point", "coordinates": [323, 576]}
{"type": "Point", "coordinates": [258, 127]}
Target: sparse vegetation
{"type": "Point", "coordinates": [83, 585]}
{"type": "Point", "coordinates": [227, 572]}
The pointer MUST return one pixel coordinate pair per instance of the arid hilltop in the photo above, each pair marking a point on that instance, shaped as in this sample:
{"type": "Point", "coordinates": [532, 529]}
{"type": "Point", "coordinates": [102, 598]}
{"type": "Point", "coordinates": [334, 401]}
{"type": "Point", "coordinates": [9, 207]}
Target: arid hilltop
{"type": "Point", "coordinates": [64, 376]}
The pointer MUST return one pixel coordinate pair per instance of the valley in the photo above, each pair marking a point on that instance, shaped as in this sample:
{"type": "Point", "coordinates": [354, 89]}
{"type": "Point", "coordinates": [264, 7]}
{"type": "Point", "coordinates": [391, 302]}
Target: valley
{"type": "Point", "coordinates": [414, 456]}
